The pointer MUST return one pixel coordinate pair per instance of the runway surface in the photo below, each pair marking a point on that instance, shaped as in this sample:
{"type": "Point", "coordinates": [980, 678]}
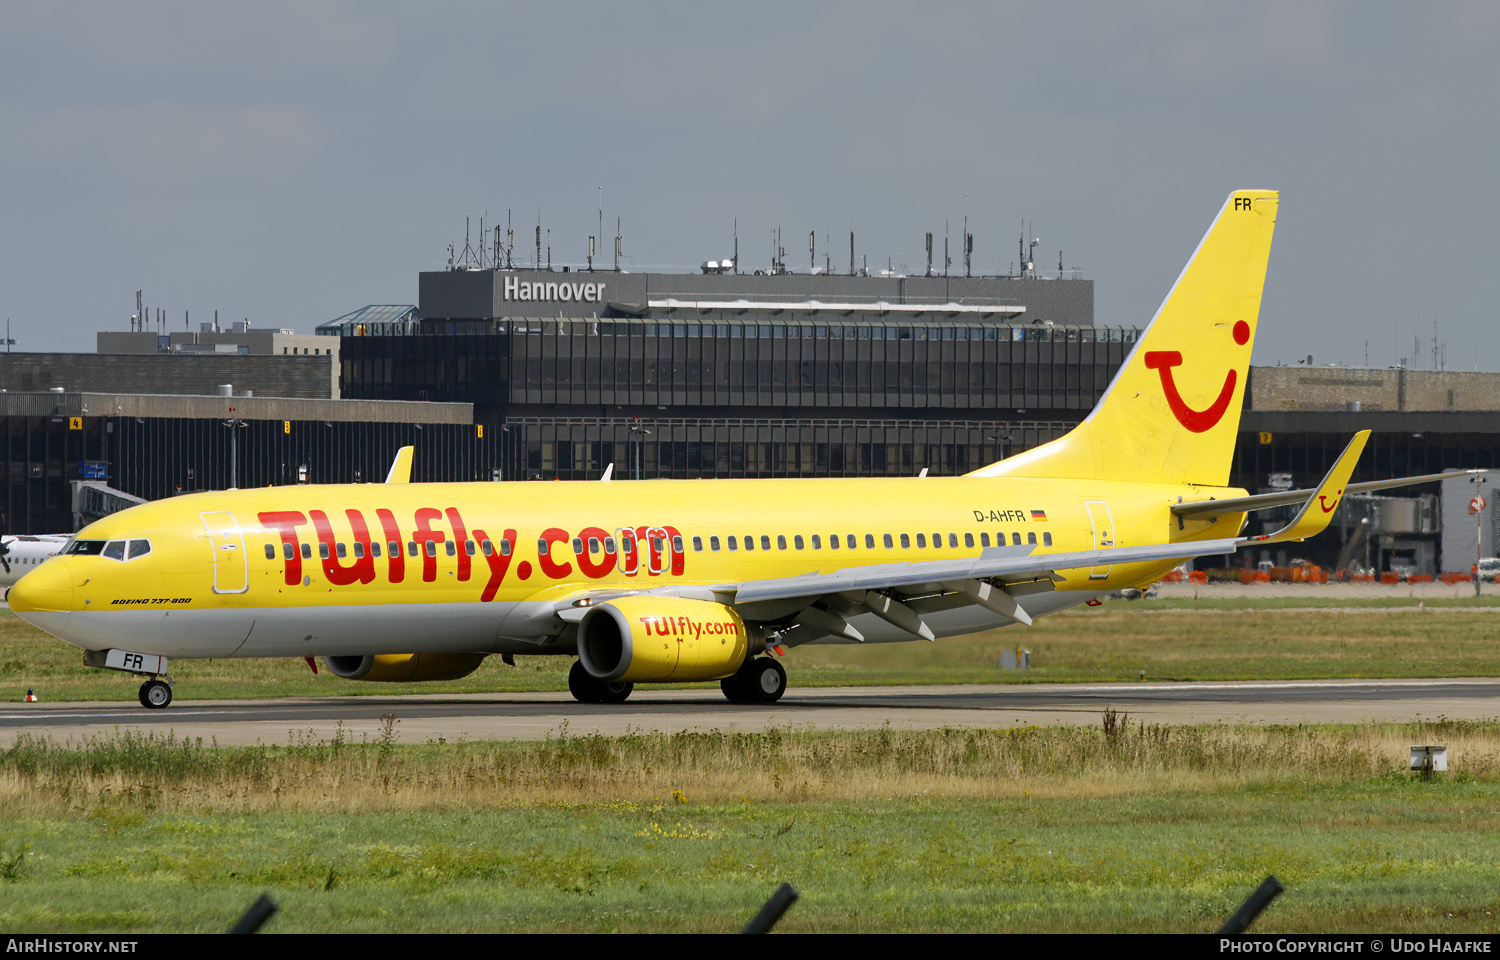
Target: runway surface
{"type": "Point", "coordinates": [526, 716]}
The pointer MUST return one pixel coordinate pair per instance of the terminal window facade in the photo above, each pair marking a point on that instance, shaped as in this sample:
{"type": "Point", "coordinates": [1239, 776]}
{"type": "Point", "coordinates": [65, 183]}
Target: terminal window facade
{"type": "Point", "coordinates": [761, 364]}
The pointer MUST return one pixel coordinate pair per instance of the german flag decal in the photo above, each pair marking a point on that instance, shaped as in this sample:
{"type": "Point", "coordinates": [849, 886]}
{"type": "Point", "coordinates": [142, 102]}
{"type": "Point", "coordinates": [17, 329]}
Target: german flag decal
{"type": "Point", "coordinates": [1039, 515]}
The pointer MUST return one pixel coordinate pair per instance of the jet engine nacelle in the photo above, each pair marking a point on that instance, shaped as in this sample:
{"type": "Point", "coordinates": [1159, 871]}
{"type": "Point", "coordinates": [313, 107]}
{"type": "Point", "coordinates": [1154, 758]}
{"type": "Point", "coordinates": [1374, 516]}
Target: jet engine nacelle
{"type": "Point", "coordinates": [404, 667]}
{"type": "Point", "coordinates": [661, 639]}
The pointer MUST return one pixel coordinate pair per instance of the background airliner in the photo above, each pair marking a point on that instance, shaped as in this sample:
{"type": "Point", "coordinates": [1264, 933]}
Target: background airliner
{"type": "Point", "coordinates": [676, 581]}
{"type": "Point", "coordinates": [20, 555]}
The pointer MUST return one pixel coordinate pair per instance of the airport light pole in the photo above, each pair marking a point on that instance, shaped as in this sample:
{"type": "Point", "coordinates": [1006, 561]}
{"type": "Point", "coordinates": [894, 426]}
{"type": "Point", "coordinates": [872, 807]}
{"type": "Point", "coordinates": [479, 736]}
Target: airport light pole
{"type": "Point", "coordinates": [234, 458]}
{"type": "Point", "coordinates": [1476, 507]}
{"type": "Point", "coordinates": [638, 435]}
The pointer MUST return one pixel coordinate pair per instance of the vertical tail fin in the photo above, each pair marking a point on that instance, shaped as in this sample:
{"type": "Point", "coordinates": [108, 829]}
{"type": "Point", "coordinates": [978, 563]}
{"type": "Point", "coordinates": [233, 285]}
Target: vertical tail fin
{"type": "Point", "coordinates": [1172, 413]}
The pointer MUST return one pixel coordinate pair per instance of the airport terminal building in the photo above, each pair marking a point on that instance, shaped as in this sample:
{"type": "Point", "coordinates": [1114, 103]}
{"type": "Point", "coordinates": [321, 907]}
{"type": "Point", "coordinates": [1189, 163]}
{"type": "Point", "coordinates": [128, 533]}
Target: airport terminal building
{"type": "Point", "coordinates": [721, 374]}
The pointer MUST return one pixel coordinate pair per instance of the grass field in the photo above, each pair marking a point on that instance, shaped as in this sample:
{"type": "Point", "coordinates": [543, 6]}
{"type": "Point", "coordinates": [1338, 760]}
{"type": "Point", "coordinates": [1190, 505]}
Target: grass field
{"type": "Point", "coordinates": [1116, 827]}
{"type": "Point", "coordinates": [1111, 828]}
{"type": "Point", "coordinates": [1211, 639]}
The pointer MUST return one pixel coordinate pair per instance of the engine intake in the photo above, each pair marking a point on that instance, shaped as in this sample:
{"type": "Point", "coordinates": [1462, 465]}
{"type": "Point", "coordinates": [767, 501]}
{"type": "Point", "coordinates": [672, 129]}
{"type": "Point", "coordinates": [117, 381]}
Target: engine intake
{"type": "Point", "coordinates": [404, 667]}
{"type": "Point", "coordinates": [661, 639]}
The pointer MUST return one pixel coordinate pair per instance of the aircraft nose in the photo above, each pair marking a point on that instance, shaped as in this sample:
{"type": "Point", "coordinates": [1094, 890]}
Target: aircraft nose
{"type": "Point", "coordinates": [46, 589]}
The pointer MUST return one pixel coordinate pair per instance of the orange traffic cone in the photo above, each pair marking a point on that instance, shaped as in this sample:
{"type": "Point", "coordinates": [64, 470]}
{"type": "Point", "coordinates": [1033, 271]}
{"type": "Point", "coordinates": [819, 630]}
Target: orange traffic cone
{"type": "Point", "coordinates": [30, 696]}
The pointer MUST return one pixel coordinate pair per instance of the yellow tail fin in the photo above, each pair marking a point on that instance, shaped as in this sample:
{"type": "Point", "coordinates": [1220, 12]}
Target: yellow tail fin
{"type": "Point", "coordinates": [401, 466]}
{"type": "Point", "coordinates": [1172, 413]}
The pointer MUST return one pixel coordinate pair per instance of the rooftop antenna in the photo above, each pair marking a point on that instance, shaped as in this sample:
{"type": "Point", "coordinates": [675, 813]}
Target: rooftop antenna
{"type": "Point", "coordinates": [537, 263]}
{"type": "Point", "coordinates": [968, 237]}
{"type": "Point", "coordinates": [929, 254]}
{"type": "Point", "coordinates": [591, 254]}
{"type": "Point", "coordinates": [600, 234]}
{"type": "Point", "coordinates": [617, 246]}
{"type": "Point", "coordinates": [947, 260]}
{"type": "Point", "coordinates": [510, 242]}
{"type": "Point", "coordinates": [812, 251]}
{"type": "Point", "coordinates": [827, 257]}
{"type": "Point", "coordinates": [851, 253]}
{"type": "Point", "coordinates": [549, 249]}
{"type": "Point", "coordinates": [736, 245]}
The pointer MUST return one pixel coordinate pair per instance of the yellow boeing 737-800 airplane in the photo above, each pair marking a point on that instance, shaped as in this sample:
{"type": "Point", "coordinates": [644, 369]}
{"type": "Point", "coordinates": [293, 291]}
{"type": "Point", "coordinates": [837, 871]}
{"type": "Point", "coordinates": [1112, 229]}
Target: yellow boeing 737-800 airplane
{"type": "Point", "coordinates": [674, 581]}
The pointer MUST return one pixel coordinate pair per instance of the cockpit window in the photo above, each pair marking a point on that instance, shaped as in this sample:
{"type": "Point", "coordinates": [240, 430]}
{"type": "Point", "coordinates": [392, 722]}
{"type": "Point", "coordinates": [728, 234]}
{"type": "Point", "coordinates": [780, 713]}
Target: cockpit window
{"type": "Point", "coordinates": [113, 549]}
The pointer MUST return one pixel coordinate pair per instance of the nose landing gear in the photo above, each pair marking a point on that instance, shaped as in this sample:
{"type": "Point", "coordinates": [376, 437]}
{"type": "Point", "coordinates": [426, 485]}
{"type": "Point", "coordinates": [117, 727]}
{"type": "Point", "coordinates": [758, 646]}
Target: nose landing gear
{"type": "Point", "coordinates": [156, 693]}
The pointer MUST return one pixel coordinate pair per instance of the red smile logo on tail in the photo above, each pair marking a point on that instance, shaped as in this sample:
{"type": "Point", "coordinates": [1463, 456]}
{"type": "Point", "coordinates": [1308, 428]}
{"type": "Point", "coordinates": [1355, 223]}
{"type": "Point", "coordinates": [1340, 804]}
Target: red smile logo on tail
{"type": "Point", "coordinates": [1198, 421]}
{"type": "Point", "coordinates": [1329, 507]}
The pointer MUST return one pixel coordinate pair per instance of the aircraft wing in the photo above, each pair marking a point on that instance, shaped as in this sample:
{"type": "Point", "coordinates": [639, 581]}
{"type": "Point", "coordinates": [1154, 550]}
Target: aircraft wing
{"type": "Point", "coordinates": [1008, 563]}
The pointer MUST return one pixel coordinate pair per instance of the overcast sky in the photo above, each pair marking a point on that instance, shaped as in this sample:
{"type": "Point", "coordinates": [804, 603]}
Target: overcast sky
{"type": "Point", "coordinates": [291, 162]}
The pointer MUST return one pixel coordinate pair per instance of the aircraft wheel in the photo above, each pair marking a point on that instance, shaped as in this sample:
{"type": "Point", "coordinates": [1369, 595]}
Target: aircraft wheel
{"type": "Point", "coordinates": [155, 694]}
{"type": "Point", "coordinates": [761, 680]}
{"type": "Point", "coordinates": [733, 687]}
{"type": "Point", "coordinates": [583, 687]}
{"type": "Point", "coordinates": [767, 680]}
{"type": "Point", "coordinates": [616, 692]}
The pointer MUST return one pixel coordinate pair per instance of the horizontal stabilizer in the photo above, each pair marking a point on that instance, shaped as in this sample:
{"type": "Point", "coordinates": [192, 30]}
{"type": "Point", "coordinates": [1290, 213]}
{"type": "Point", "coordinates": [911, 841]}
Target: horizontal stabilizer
{"type": "Point", "coordinates": [1313, 518]}
{"type": "Point", "coordinates": [1269, 501]}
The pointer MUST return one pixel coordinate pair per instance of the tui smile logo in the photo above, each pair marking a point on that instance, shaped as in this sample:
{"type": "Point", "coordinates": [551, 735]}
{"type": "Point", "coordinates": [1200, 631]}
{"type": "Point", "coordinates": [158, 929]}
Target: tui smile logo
{"type": "Point", "coordinates": [1198, 421]}
{"type": "Point", "coordinates": [1329, 507]}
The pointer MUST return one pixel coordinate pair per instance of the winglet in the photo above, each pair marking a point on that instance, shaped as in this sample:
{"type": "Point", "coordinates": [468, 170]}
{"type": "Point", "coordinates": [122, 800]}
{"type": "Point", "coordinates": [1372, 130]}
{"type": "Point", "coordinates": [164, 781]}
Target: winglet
{"type": "Point", "coordinates": [609, 471]}
{"type": "Point", "coordinates": [1309, 521]}
{"type": "Point", "coordinates": [401, 466]}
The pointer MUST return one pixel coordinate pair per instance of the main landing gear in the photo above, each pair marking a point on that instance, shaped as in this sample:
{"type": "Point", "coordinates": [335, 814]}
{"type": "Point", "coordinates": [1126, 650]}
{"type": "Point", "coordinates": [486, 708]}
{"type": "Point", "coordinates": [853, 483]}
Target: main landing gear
{"type": "Point", "coordinates": [156, 693]}
{"type": "Point", "coordinates": [589, 689]}
{"type": "Point", "coordinates": [761, 680]}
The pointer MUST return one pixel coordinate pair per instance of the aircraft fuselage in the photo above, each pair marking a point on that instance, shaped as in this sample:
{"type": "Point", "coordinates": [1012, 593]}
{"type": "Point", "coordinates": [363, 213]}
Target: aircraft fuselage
{"type": "Point", "coordinates": [310, 570]}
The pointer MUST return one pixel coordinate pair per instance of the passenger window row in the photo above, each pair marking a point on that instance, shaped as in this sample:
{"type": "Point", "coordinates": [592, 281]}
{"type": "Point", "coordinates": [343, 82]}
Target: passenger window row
{"type": "Point", "coordinates": [850, 541]}
{"type": "Point", "coordinates": [608, 545]}
{"type": "Point", "coordinates": [393, 547]}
